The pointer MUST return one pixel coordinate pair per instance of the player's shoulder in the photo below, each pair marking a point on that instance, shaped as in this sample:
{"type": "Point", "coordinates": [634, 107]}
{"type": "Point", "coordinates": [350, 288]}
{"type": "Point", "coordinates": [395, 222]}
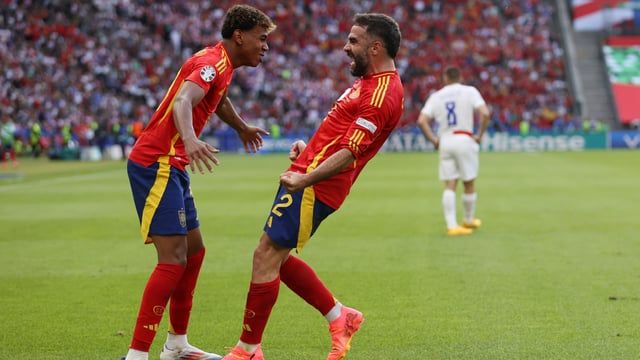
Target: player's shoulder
{"type": "Point", "coordinates": [379, 87]}
{"type": "Point", "coordinates": [208, 52]}
{"type": "Point", "coordinates": [212, 57]}
{"type": "Point", "coordinates": [469, 88]}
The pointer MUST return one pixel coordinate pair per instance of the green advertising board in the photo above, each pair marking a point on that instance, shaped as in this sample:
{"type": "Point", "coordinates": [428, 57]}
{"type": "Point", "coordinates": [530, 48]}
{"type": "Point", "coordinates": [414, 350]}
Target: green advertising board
{"type": "Point", "coordinates": [414, 141]}
{"type": "Point", "coordinates": [531, 143]}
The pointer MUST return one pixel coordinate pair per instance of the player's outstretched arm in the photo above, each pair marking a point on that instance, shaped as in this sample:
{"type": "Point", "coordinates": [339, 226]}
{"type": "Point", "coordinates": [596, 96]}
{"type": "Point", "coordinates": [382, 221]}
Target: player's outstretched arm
{"type": "Point", "coordinates": [251, 136]}
{"type": "Point", "coordinates": [294, 182]}
{"type": "Point", "coordinates": [199, 152]}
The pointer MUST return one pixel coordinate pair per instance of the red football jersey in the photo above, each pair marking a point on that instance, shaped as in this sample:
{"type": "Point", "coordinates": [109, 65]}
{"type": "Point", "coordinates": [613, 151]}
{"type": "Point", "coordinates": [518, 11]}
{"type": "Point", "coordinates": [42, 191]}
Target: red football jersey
{"type": "Point", "coordinates": [360, 121]}
{"type": "Point", "coordinates": [212, 70]}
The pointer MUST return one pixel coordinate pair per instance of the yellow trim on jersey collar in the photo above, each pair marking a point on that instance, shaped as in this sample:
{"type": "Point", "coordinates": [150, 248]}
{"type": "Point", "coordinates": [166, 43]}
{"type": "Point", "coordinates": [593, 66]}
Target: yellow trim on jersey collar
{"type": "Point", "coordinates": [225, 54]}
{"type": "Point", "coordinates": [383, 73]}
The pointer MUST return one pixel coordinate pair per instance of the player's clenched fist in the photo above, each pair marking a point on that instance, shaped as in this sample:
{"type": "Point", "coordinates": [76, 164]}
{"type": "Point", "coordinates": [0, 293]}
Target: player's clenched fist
{"type": "Point", "coordinates": [296, 148]}
{"type": "Point", "coordinates": [293, 181]}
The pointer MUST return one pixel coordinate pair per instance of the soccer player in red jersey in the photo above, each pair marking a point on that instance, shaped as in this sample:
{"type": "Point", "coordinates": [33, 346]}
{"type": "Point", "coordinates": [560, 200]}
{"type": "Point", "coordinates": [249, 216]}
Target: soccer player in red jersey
{"type": "Point", "coordinates": [317, 183]}
{"type": "Point", "coordinates": [161, 186]}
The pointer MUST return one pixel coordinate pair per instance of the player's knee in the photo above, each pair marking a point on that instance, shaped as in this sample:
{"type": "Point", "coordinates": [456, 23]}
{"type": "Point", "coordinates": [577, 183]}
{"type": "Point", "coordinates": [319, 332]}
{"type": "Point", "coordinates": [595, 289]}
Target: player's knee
{"type": "Point", "coordinates": [173, 254]}
{"type": "Point", "coordinates": [267, 260]}
{"type": "Point", "coordinates": [261, 257]}
{"type": "Point", "coordinates": [173, 258]}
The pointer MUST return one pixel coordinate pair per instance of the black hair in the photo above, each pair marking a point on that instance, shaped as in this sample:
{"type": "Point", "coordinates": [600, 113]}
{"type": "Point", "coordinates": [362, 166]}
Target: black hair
{"type": "Point", "coordinates": [383, 27]}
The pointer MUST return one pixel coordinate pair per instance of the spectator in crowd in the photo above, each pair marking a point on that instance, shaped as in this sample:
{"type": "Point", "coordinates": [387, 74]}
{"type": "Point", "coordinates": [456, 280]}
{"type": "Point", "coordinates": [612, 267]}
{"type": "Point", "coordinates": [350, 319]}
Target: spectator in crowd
{"type": "Point", "coordinates": [7, 142]}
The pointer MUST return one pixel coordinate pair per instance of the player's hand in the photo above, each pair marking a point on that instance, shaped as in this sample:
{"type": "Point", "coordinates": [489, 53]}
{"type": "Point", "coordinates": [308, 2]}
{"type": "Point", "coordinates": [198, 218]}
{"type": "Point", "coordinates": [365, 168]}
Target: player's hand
{"type": "Point", "coordinates": [293, 181]}
{"type": "Point", "coordinates": [477, 138]}
{"type": "Point", "coordinates": [251, 137]}
{"type": "Point", "coordinates": [436, 144]}
{"type": "Point", "coordinates": [200, 153]}
{"type": "Point", "coordinates": [296, 149]}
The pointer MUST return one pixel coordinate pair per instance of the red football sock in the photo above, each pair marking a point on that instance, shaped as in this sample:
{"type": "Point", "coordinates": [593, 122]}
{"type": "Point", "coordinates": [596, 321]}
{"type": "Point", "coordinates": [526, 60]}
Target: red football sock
{"type": "Point", "coordinates": [302, 280]}
{"type": "Point", "coordinates": [160, 286]}
{"type": "Point", "coordinates": [182, 297]}
{"type": "Point", "coordinates": [260, 301]}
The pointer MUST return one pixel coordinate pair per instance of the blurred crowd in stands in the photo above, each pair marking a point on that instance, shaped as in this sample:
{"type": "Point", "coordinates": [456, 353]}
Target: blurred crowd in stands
{"type": "Point", "coordinates": [92, 72]}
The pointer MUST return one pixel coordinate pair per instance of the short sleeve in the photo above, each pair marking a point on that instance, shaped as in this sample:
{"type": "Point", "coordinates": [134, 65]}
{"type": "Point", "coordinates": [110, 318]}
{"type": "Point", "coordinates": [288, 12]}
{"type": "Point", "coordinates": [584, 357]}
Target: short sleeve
{"type": "Point", "coordinates": [204, 75]}
{"type": "Point", "coordinates": [369, 124]}
{"type": "Point", "coordinates": [476, 98]}
{"type": "Point", "coordinates": [427, 109]}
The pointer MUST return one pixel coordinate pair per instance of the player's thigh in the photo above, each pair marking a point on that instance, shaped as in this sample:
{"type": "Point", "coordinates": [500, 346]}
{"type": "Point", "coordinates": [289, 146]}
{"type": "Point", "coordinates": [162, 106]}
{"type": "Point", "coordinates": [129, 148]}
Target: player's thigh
{"type": "Point", "coordinates": [158, 193]}
{"type": "Point", "coordinates": [190, 211]}
{"type": "Point", "coordinates": [469, 160]}
{"type": "Point", "coordinates": [194, 241]}
{"type": "Point", "coordinates": [447, 168]}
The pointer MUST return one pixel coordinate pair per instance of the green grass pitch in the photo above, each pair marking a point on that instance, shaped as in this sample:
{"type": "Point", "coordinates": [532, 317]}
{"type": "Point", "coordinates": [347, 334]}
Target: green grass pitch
{"type": "Point", "coordinates": [552, 274]}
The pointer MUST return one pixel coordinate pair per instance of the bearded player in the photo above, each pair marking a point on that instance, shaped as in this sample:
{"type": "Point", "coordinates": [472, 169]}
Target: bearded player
{"type": "Point", "coordinates": [317, 183]}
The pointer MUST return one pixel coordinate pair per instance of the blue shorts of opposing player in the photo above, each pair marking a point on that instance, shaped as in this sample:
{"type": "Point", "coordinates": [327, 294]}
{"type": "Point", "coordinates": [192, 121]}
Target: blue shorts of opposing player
{"type": "Point", "coordinates": [295, 217]}
{"type": "Point", "coordinates": [163, 199]}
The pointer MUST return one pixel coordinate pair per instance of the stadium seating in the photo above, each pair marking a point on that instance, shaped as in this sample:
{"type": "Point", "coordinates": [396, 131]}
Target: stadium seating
{"type": "Point", "coordinates": [96, 65]}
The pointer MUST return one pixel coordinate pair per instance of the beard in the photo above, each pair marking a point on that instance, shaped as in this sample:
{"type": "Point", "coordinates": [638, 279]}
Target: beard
{"type": "Point", "coordinates": [360, 65]}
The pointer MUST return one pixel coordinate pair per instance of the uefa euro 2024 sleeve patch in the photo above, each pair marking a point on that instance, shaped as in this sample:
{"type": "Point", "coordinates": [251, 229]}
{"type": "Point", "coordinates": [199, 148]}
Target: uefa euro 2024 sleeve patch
{"type": "Point", "coordinates": [208, 73]}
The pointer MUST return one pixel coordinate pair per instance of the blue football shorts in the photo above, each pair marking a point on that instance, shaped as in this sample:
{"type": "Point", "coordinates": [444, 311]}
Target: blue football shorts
{"type": "Point", "coordinates": [295, 217]}
{"type": "Point", "coordinates": [163, 199]}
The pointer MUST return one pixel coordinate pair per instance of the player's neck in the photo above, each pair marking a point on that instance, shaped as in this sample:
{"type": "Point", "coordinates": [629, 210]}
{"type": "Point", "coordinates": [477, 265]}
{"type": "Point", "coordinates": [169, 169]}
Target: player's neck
{"type": "Point", "coordinates": [381, 66]}
{"type": "Point", "coordinates": [232, 52]}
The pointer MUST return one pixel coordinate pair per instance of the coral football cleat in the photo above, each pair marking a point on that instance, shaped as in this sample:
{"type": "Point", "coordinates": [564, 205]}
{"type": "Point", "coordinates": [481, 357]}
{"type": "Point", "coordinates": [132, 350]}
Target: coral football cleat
{"type": "Point", "coordinates": [238, 353]}
{"type": "Point", "coordinates": [342, 330]}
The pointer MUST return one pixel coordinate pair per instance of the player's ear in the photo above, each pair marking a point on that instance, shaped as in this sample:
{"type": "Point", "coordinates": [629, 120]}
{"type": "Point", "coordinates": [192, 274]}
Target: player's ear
{"type": "Point", "coordinates": [238, 36]}
{"type": "Point", "coordinates": [376, 47]}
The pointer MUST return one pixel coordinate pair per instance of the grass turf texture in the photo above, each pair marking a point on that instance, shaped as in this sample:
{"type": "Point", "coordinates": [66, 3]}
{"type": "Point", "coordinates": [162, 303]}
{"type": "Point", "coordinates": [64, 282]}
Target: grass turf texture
{"type": "Point", "coordinates": [552, 274]}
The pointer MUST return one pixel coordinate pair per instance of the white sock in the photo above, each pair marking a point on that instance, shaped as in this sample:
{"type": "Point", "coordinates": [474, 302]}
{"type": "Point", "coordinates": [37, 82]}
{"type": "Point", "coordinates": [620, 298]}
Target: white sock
{"type": "Point", "coordinates": [334, 313]}
{"type": "Point", "coordinates": [137, 355]}
{"type": "Point", "coordinates": [176, 341]}
{"type": "Point", "coordinates": [449, 207]}
{"type": "Point", "coordinates": [469, 205]}
{"type": "Point", "coordinates": [251, 348]}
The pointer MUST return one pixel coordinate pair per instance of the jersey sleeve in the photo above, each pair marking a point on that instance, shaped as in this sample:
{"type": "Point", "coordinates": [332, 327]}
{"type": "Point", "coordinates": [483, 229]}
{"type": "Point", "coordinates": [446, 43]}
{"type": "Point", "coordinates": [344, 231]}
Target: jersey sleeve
{"type": "Point", "coordinates": [427, 109]}
{"type": "Point", "coordinates": [370, 123]}
{"type": "Point", "coordinates": [204, 75]}
{"type": "Point", "coordinates": [476, 98]}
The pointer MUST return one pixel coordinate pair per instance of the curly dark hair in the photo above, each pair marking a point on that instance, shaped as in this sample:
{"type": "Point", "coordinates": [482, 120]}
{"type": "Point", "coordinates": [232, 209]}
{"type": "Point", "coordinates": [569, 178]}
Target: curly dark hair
{"type": "Point", "coordinates": [381, 26]}
{"type": "Point", "coordinates": [245, 17]}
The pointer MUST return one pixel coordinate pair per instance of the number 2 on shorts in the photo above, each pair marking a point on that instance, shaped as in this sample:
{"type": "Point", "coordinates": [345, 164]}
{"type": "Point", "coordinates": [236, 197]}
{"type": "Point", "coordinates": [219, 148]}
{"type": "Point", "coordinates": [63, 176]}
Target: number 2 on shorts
{"type": "Point", "coordinates": [287, 200]}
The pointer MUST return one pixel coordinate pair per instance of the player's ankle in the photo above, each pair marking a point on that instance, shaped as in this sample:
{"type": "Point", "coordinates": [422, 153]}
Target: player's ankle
{"type": "Point", "coordinates": [134, 354]}
{"type": "Point", "coordinates": [176, 341]}
{"type": "Point", "coordinates": [250, 348]}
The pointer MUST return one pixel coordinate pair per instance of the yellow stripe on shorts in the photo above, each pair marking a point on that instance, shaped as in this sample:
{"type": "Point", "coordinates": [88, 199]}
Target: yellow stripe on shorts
{"type": "Point", "coordinates": [155, 195]}
{"type": "Point", "coordinates": [306, 217]}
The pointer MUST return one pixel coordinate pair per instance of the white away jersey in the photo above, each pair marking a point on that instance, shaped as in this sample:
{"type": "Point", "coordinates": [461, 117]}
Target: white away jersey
{"type": "Point", "coordinates": [452, 107]}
